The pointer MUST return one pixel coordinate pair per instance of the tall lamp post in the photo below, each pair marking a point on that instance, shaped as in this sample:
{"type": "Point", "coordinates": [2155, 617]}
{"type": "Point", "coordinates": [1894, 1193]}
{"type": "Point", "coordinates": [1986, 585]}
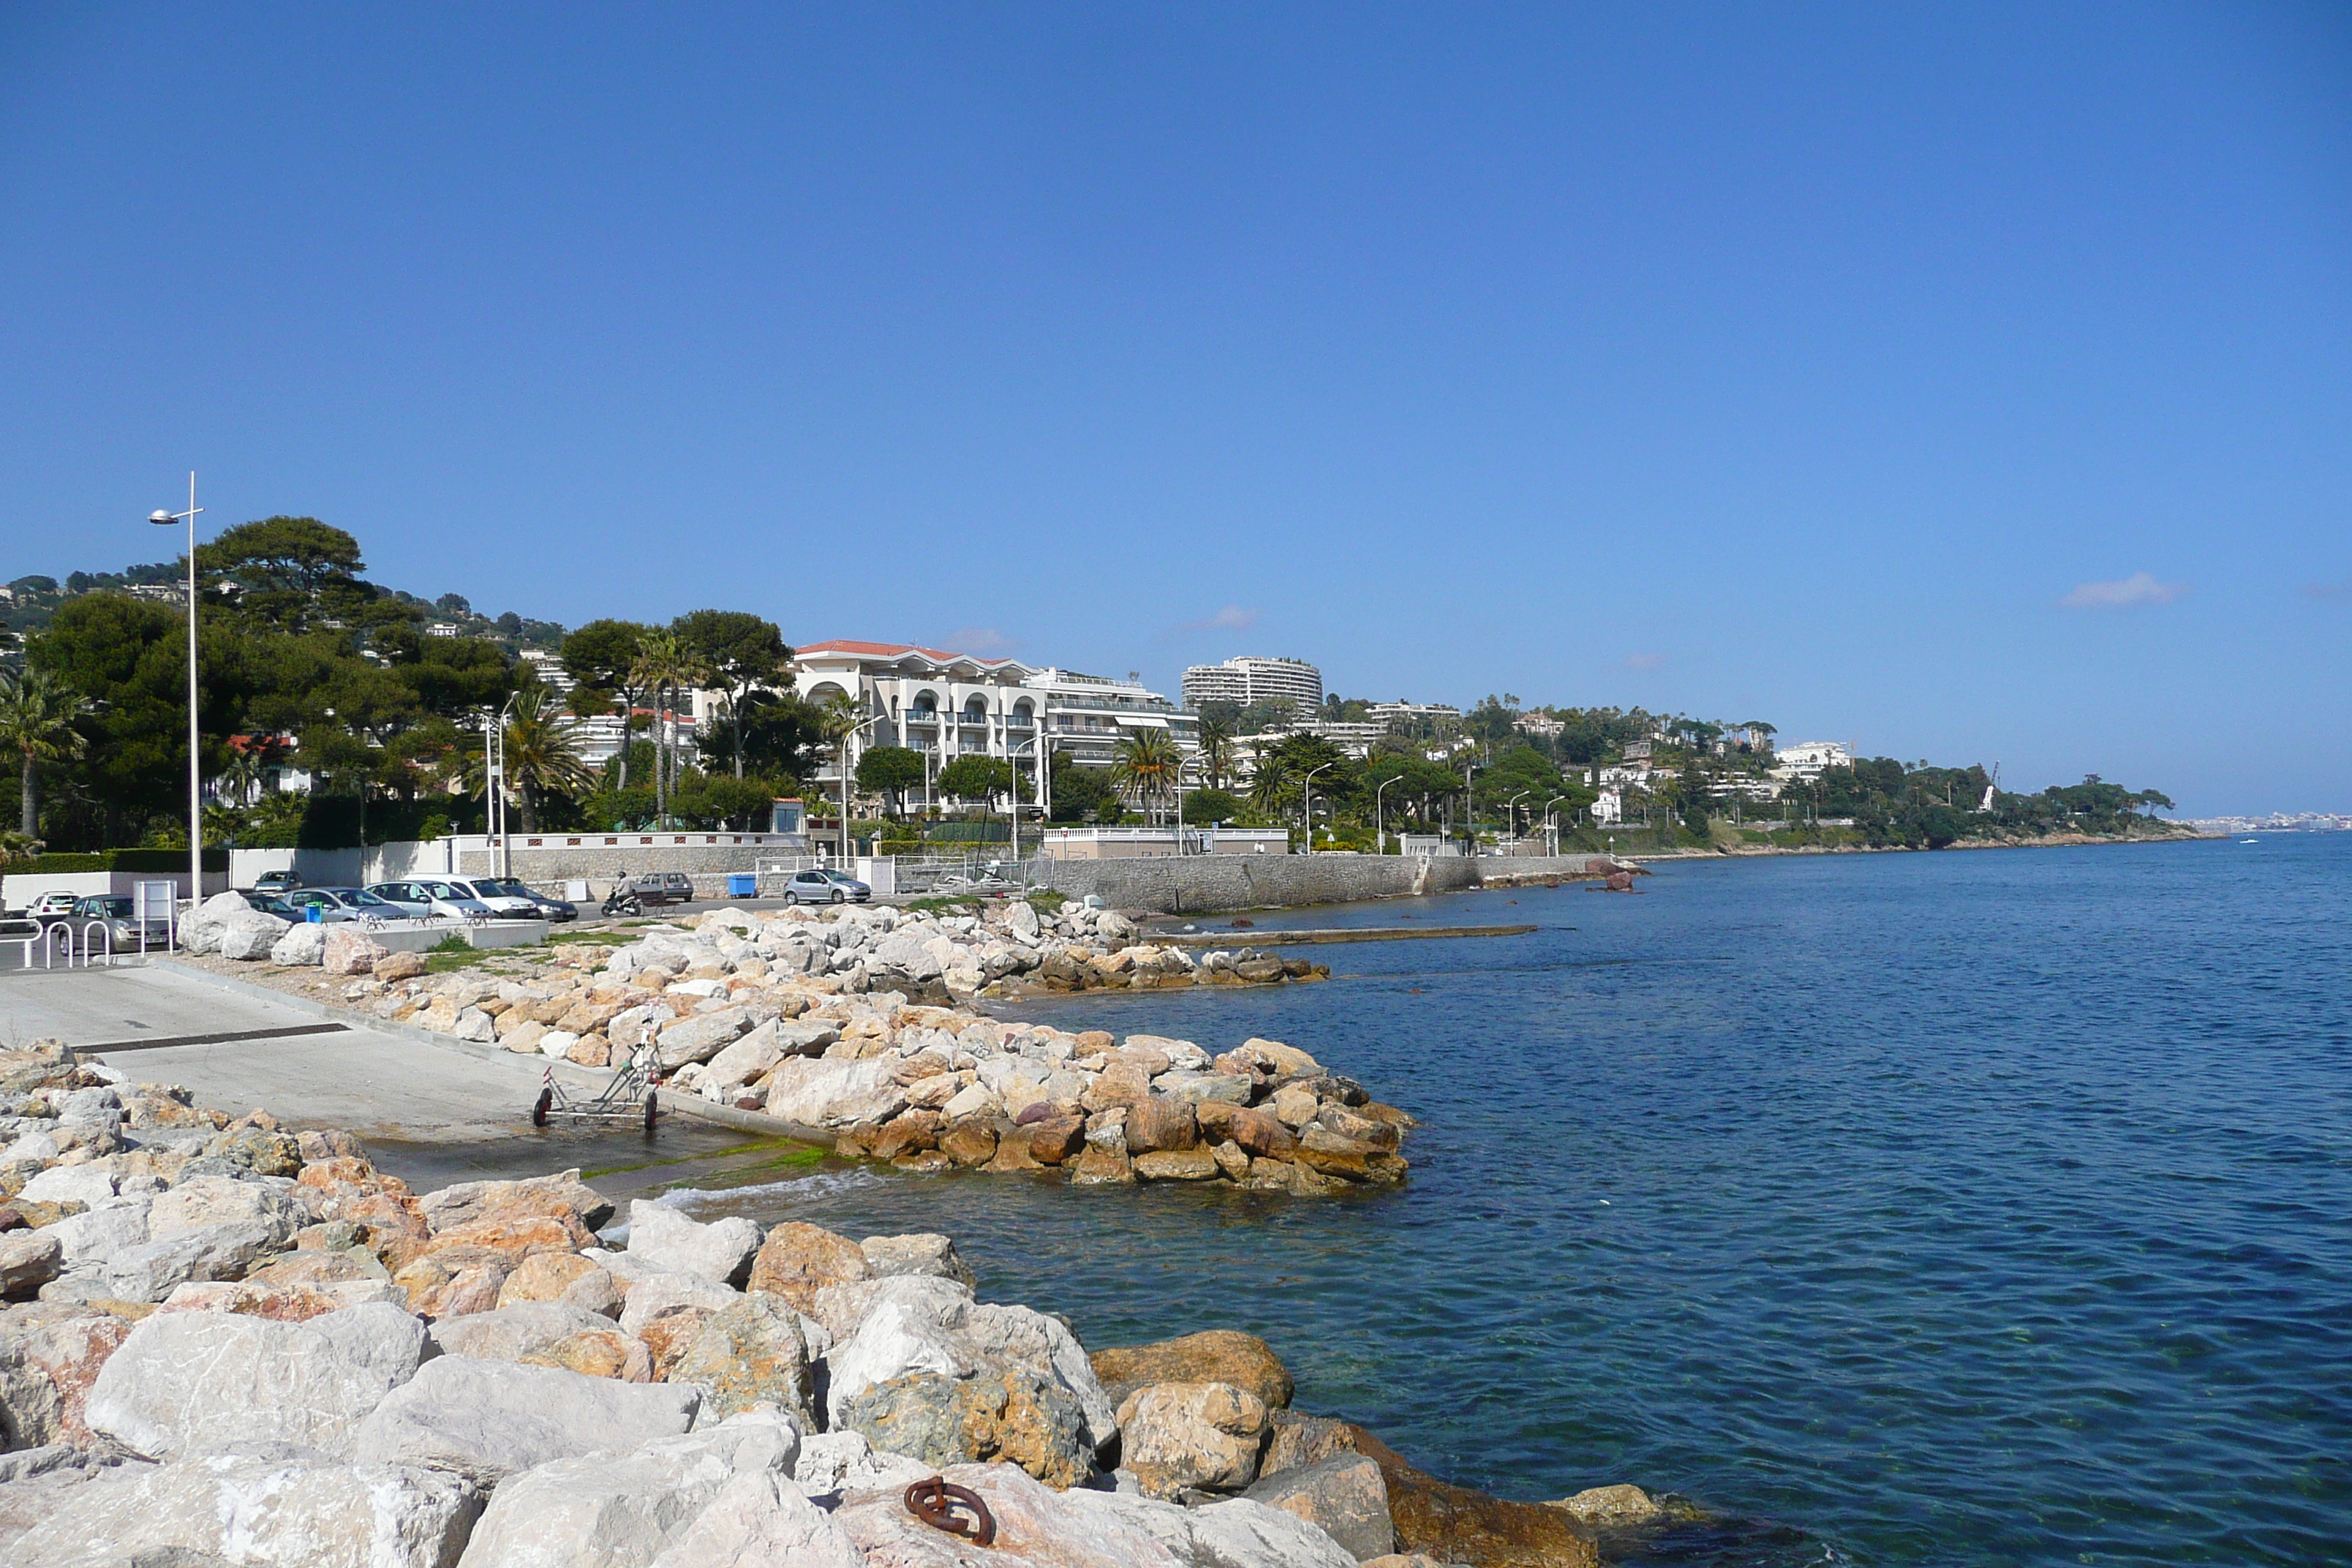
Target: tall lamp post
{"type": "Point", "coordinates": [1379, 829]}
{"type": "Point", "coordinates": [1306, 805]}
{"type": "Point", "coordinates": [196, 766]}
{"type": "Point", "coordinates": [1470, 810]}
{"type": "Point", "coordinates": [1552, 823]}
{"type": "Point", "coordinates": [1513, 810]}
{"type": "Point", "coordinates": [1009, 756]}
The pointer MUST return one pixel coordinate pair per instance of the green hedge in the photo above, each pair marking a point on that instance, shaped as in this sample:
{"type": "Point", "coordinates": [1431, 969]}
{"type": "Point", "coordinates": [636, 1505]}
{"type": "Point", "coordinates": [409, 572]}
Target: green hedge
{"type": "Point", "coordinates": [117, 860]}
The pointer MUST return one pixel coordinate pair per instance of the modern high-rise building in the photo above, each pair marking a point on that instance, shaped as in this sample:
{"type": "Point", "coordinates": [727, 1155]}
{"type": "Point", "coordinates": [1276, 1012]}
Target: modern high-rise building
{"type": "Point", "coordinates": [1249, 679]}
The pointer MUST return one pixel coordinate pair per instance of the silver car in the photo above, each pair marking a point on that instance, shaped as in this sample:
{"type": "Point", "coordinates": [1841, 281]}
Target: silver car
{"type": "Point", "coordinates": [338, 906]}
{"type": "Point", "coordinates": [431, 898]}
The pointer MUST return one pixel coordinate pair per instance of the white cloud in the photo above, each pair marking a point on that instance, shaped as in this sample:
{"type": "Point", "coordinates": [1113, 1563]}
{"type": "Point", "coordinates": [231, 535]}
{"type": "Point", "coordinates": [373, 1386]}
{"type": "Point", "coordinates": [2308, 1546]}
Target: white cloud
{"type": "Point", "coordinates": [2124, 594]}
{"type": "Point", "coordinates": [1232, 619]}
{"type": "Point", "coordinates": [1644, 660]}
{"type": "Point", "coordinates": [985, 642]}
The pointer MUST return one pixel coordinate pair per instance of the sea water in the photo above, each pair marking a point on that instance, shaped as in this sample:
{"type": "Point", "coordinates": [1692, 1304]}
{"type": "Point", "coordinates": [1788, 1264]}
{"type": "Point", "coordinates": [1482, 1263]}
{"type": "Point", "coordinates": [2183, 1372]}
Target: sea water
{"type": "Point", "coordinates": [1988, 1208]}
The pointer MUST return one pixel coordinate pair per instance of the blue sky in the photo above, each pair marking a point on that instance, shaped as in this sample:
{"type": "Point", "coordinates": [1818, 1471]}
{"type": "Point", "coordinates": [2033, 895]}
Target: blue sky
{"type": "Point", "coordinates": [1971, 382]}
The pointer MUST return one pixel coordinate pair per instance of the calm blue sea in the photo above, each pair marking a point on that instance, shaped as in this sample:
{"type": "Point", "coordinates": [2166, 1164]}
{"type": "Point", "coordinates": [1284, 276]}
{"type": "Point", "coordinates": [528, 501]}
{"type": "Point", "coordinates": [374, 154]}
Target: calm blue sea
{"type": "Point", "coordinates": [1957, 1208]}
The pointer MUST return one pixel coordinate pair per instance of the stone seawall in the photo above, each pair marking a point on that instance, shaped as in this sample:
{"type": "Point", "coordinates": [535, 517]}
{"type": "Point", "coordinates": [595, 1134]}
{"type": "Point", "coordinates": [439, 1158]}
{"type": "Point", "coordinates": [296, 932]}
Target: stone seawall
{"type": "Point", "coordinates": [1200, 883]}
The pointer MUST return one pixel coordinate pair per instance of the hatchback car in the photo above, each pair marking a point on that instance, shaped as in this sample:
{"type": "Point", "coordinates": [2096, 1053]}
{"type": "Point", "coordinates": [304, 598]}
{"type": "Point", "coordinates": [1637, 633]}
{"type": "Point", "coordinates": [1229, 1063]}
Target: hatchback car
{"type": "Point", "coordinates": [338, 905]}
{"type": "Point", "coordinates": [51, 908]}
{"type": "Point", "coordinates": [431, 898]}
{"type": "Point", "coordinates": [825, 887]}
{"type": "Point", "coordinates": [276, 881]}
{"type": "Point", "coordinates": [114, 912]}
{"type": "Point", "coordinates": [663, 887]}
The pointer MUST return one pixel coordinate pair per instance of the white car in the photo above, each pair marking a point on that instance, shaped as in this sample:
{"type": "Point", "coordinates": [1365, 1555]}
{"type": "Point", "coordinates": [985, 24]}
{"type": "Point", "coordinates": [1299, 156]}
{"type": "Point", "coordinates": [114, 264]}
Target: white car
{"type": "Point", "coordinates": [496, 897]}
{"type": "Point", "coordinates": [430, 898]}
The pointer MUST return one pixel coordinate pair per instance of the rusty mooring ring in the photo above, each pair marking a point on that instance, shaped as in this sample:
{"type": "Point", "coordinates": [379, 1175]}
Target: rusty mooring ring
{"type": "Point", "coordinates": [934, 1502]}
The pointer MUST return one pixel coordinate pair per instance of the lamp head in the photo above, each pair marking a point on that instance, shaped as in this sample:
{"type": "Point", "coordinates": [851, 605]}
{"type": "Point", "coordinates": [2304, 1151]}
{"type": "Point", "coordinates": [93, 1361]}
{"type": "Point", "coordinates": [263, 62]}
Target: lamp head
{"type": "Point", "coordinates": [164, 517]}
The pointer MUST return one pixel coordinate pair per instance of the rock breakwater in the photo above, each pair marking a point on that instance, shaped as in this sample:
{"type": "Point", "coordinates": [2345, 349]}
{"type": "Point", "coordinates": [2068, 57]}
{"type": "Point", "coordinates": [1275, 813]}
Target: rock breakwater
{"type": "Point", "coordinates": [228, 1341]}
{"type": "Point", "coordinates": [813, 1019]}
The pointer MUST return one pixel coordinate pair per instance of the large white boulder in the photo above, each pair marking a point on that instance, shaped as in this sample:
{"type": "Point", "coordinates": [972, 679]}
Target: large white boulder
{"type": "Point", "coordinates": [84, 1184]}
{"type": "Point", "coordinates": [305, 943]}
{"type": "Point", "coordinates": [487, 1420]}
{"type": "Point", "coordinates": [277, 1512]}
{"type": "Point", "coordinates": [197, 1383]}
{"type": "Point", "coordinates": [250, 935]}
{"type": "Point", "coordinates": [818, 1091]}
{"type": "Point", "coordinates": [1235, 1534]}
{"type": "Point", "coordinates": [650, 1295]}
{"type": "Point", "coordinates": [514, 1332]}
{"type": "Point", "coordinates": [761, 1518]}
{"type": "Point", "coordinates": [202, 1201]}
{"type": "Point", "coordinates": [1035, 1528]}
{"type": "Point", "coordinates": [619, 1510]}
{"type": "Point", "coordinates": [200, 930]}
{"type": "Point", "coordinates": [720, 1252]}
{"type": "Point", "coordinates": [893, 1340]}
{"type": "Point", "coordinates": [152, 1270]}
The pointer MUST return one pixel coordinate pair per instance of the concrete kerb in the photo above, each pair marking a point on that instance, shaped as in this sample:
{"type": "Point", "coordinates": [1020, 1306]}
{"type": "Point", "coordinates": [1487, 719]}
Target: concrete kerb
{"type": "Point", "coordinates": [692, 1105]}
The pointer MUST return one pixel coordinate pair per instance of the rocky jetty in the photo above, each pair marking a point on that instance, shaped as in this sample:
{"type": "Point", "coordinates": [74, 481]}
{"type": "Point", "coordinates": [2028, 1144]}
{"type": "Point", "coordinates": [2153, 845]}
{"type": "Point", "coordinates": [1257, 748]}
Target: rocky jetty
{"type": "Point", "coordinates": [226, 1343]}
{"type": "Point", "coordinates": [1009, 946]}
{"type": "Point", "coordinates": [799, 1016]}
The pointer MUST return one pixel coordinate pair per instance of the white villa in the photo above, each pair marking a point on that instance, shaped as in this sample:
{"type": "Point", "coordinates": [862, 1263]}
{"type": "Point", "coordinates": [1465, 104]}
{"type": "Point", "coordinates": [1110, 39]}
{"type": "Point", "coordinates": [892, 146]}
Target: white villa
{"type": "Point", "coordinates": [947, 705]}
{"type": "Point", "coordinates": [1808, 759]}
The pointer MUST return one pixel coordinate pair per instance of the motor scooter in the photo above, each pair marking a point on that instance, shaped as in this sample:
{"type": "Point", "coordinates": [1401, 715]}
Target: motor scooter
{"type": "Point", "coordinates": [621, 901]}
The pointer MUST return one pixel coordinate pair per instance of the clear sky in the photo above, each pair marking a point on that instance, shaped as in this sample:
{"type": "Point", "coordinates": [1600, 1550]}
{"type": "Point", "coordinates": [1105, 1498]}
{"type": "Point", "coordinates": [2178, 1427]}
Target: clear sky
{"type": "Point", "coordinates": [1972, 383]}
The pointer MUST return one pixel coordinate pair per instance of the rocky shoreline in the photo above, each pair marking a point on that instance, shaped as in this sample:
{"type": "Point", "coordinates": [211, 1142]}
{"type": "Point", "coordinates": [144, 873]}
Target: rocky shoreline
{"type": "Point", "coordinates": [798, 1016]}
{"type": "Point", "coordinates": [226, 1342]}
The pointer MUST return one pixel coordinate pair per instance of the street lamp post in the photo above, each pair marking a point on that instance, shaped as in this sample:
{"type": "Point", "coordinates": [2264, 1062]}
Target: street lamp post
{"type": "Point", "coordinates": [196, 765]}
{"type": "Point", "coordinates": [1009, 754]}
{"type": "Point", "coordinates": [849, 735]}
{"type": "Point", "coordinates": [1380, 828]}
{"type": "Point", "coordinates": [1307, 807]}
{"type": "Point", "coordinates": [1512, 810]}
{"type": "Point", "coordinates": [1470, 810]}
{"type": "Point", "coordinates": [1552, 823]}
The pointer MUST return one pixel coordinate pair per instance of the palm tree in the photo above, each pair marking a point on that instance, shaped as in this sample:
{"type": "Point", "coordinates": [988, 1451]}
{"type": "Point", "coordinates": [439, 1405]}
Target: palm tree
{"type": "Point", "coordinates": [1215, 738]}
{"type": "Point", "coordinates": [542, 755]}
{"type": "Point", "coordinates": [1144, 767]}
{"type": "Point", "coordinates": [665, 666]}
{"type": "Point", "coordinates": [1269, 783]}
{"type": "Point", "coordinates": [37, 715]}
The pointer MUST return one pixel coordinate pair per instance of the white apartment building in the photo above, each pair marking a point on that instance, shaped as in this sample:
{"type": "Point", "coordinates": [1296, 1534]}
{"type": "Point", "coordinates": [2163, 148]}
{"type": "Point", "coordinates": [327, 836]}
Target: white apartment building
{"type": "Point", "coordinates": [947, 705]}
{"type": "Point", "coordinates": [1412, 715]}
{"type": "Point", "coordinates": [1249, 679]}
{"type": "Point", "coordinates": [1807, 759]}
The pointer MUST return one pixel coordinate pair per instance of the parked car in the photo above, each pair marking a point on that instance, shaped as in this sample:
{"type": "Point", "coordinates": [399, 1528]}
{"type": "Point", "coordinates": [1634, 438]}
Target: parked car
{"type": "Point", "coordinates": [276, 881]}
{"type": "Point", "coordinates": [337, 905]}
{"type": "Point", "coordinates": [270, 904]}
{"type": "Point", "coordinates": [51, 908]}
{"type": "Point", "coordinates": [825, 887]}
{"type": "Point", "coordinates": [663, 887]}
{"type": "Point", "coordinates": [423, 898]}
{"type": "Point", "coordinates": [505, 896]}
{"type": "Point", "coordinates": [114, 911]}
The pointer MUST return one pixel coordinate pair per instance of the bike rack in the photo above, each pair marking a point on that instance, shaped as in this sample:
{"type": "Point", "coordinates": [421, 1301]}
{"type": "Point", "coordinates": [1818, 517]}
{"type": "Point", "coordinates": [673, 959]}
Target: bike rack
{"type": "Point", "coordinates": [88, 948]}
{"type": "Point", "coordinates": [24, 940]}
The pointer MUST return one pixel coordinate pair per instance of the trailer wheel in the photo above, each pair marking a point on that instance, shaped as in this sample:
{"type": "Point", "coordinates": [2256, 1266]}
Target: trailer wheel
{"type": "Point", "coordinates": [540, 1107]}
{"type": "Point", "coordinates": [653, 1108]}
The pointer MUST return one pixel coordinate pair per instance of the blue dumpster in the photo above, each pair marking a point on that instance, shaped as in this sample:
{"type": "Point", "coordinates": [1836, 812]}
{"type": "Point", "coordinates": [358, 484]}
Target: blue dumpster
{"type": "Point", "coordinates": [743, 884]}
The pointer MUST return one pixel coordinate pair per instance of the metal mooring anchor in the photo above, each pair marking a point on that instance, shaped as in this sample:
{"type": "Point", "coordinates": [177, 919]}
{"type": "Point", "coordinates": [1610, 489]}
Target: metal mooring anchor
{"type": "Point", "coordinates": [935, 1502]}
